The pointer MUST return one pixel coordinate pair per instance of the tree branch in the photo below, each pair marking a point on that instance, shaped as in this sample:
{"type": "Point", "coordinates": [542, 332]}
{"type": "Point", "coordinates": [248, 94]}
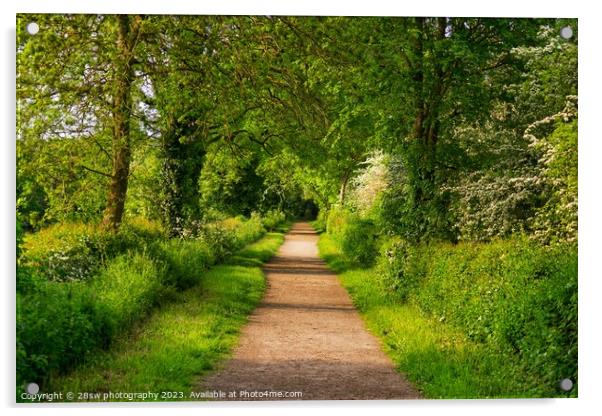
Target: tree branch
{"type": "Point", "coordinates": [95, 171]}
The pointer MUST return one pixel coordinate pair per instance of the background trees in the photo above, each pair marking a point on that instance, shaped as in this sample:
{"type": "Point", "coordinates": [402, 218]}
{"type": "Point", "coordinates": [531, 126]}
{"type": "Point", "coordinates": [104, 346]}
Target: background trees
{"type": "Point", "coordinates": [180, 117]}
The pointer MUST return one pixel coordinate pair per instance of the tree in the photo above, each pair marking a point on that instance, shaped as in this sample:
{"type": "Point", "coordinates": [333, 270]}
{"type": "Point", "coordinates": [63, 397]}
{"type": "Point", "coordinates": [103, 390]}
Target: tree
{"type": "Point", "coordinates": [86, 98]}
{"type": "Point", "coordinates": [442, 80]}
{"type": "Point", "coordinates": [128, 33]}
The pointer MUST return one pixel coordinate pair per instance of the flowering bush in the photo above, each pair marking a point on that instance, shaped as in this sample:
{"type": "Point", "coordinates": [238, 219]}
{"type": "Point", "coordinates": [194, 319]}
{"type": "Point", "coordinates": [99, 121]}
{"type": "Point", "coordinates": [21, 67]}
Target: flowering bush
{"type": "Point", "coordinates": [372, 179]}
{"type": "Point", "coordinates": [491, 205]}
{"type": "Point", "coordinates": [557, 221]}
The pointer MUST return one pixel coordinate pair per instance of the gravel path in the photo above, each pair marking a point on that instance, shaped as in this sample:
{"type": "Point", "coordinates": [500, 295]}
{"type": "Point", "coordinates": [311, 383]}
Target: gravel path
{"type": "Point", "coordinates": [306, 336]}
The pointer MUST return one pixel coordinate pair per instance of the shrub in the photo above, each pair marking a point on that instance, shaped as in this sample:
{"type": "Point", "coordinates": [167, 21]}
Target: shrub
{"type": "Point", "coordinates": [63, 313]}
{"type": "Point", "coordinates": [75, 251]}
{"type": "Point", "coordinates": [542, 325]}
{"type": "Point", "coordinates": [272, 219]}
{"type": "Point", "coordinates": [56, 326]}
{"type": "Point", "coordinates": [514, 294]}
{"type": "Point", "coordinates": [59, 323]}
{"type": "Point", "coordinates": [127, 288]}
{"type": "Point", "coordinates": [26, 277]}
{"type": "Point", "coordinates": [337, 218]}
{"type": "Point", "coordinates": [249, 231]}
{"type": "Point", "coordinates": [320, 223]}
{"type": "Point", "coordinates": [557, 221]}
{"type": "Point", "coordinates": [359, 241]}
{"type": "Point", "coordinates": [357, 237]}
{"type": "Point", "coordinates": [19, 234]}
{"type": "Point", "coordinates": [220, 237]}
{"type": "Point", "coordinates": [63, 252]}
{"type": "Point", "coordinates": [185, 261]}
{"type": "Point", "coordinates": [402, 266]}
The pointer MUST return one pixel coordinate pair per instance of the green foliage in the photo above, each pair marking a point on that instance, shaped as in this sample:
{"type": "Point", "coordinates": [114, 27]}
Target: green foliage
{"type": "Point", "coordinates": [248, 231]}
{"type": "Point", "coordinates": [513, 294]}
{"type": "Point", "coordinates": [65, 252]}
{"type": "Point", "coordinates": [57, 325]}
{"type": "Point", "coordinates": [319, 223]}
{"type": "Point", "coordinates": [76, 251]}
{"type": "Point", "coordinates": [415, 204]}
{"type": "Point", "coordinates": [548, 76]}
{"type": "Point", "coordinates": [32, 202]}
{"type": "Point", "coordinates": [557, 221]}
{"type": "Point", "coordinates": [225, 236]}
{"type": "Point", "coordinates": [356, 236]}
{"type": "Point", "coordinates": [19, 234]}
{"type": "Point", "coordinates": [402, 267]}
{"type": "Point", "coordinates": [185, 260]}
{"type": "Point", "coordinates": [232, 185]}
{"type": "Point", "coordinates": [272, 219]}
{"type": "Point", "coordinates": [336, 220]}
{"type": "Point", "coordinates": [359, 241]}
{"type": "Point", "coordinates": [127, 289]}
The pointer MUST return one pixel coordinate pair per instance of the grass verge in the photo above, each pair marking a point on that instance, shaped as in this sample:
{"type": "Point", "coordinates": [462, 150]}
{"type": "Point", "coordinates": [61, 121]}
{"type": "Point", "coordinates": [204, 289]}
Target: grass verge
{"type": "Point", "coordinates": [181, 341]}
{"type": "Point", "coordinates": [439, 360]}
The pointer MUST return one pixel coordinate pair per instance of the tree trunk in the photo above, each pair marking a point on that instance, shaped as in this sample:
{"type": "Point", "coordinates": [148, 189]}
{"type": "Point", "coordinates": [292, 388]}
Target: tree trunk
{"type": "Point", "coordinates": [343, 190]}
{"type": "Point", "coordinates": [429, 90]}
{"type": "Point", "coordinates": [127, 35]}
{"type": "Point", "coordinates": [182, 166]}
{"type": "Point", "coordinates": [418, 78]}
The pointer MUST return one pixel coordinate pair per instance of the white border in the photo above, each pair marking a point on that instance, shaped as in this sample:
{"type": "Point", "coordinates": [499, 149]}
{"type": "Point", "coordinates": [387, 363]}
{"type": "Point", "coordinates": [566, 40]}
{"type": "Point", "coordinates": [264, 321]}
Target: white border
{"type": "Point", "coordinates": [589, 191]}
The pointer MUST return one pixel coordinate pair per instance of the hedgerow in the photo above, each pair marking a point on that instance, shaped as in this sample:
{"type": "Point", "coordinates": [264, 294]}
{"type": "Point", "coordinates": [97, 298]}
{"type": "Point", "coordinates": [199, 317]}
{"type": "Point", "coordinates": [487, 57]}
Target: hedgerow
{"type": "Point", "coordinates": [79, 286]}
{"type": "Point", "coordinates": [513, 294]}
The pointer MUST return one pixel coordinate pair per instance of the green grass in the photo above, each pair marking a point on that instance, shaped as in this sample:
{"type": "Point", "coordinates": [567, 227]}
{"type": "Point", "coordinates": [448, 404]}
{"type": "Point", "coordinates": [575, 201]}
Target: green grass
{"type": "Point", "coordinates": [439, 360]}
{"type": "Point", "coordinates": [180, 342]}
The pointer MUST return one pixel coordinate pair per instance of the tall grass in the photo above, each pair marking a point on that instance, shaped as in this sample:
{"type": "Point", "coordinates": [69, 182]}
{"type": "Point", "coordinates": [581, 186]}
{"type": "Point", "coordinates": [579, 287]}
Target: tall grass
{"type": "Point", "coordinates": [180, 342]}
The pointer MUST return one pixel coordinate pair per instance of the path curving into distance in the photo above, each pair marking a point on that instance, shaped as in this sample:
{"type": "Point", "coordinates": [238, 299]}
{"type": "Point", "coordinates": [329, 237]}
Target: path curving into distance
{"type": "Point", "coordinates": [306, 336]}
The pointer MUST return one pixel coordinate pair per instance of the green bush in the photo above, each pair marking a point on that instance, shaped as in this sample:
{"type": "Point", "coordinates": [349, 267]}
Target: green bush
{"type": "Point", "coordinates": [26, 277]}
{"type": "Point", "coordinates": [75, 251]}
{"type": "Point", "coordinates": [320, 222]}
{"type": "Point", "coordinates": [220, 236]}
{"type": "Point", "coordinates": [57, 325]}
{"type": "Point", "coordinates": [557, 221]}
{"type": "Point", "coordinates": [248, 231]}
{"type": "Point", "coordinates": [336, 221]}
{"type": "Point", "coordinates": [127, 289]}
{"type": "Point", "coordinates": [514, 294]}
{"type": "Point", "coordinates": [402, 266]}
{"type": "Point", "coordinates": [66, 307]}
{"type": "Point", "coordinates": [64, 252]}
{"type": "Point", "coordinates": [272, 219]}
{"type": "Point", "coordinates": [185, 260]}
{"type": "Point", "coordinates": [357, 237]}
{"type": "Point", "coordinates": [359, 241]}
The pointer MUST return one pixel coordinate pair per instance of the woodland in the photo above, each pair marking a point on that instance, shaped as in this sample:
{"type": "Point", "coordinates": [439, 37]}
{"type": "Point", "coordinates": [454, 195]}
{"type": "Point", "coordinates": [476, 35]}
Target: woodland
{"type": "Point", "coordinates": [437, 157]}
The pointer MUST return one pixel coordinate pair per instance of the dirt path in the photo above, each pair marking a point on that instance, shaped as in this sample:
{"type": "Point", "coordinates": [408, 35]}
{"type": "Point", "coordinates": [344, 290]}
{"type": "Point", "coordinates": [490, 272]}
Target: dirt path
{"type": "Point", "coordinates": [306, 336]}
